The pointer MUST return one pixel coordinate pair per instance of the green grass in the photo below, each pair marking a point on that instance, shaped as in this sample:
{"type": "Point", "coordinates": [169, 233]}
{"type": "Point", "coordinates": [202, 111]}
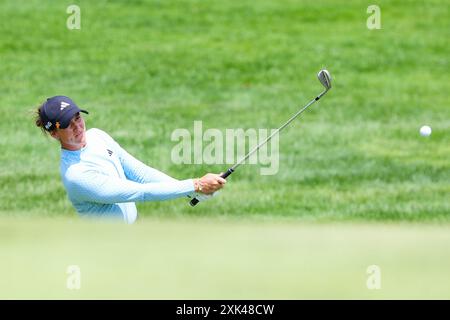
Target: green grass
{"type": "Point", "coordinates": [212, 259]}
{"type": "Point", "coordinates": [357, 184]}
{"type": "Point", "coordinates": [145, 68]}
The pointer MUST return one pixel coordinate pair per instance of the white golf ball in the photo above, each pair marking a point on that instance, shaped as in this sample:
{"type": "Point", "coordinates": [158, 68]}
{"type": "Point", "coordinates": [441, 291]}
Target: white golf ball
{"type": "Point", "coordinates": [425, 131]}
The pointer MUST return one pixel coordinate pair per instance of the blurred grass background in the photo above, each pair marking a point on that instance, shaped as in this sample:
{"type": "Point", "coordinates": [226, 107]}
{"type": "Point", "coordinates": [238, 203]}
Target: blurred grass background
{"type": "Point", "coordinates": [202, 259]}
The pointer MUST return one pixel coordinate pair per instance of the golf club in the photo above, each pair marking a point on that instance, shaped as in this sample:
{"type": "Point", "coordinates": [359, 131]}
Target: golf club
{"type": "Point", "coordinates": [325, 79]}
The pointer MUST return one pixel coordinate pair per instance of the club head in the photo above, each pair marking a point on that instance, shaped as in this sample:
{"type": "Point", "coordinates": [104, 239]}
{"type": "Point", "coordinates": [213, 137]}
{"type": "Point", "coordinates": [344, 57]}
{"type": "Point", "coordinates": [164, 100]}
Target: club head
{"type": "Point", "coordinates": [325, 78]}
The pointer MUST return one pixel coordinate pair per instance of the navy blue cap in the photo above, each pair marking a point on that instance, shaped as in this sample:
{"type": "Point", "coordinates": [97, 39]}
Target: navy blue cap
{"type": "Point", "coordinates": [58, 111]}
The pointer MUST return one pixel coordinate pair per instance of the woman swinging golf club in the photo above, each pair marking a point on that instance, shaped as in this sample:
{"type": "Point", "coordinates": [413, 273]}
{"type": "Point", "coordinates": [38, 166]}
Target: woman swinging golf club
{"type": "Point", "coordinates": [100, 177]}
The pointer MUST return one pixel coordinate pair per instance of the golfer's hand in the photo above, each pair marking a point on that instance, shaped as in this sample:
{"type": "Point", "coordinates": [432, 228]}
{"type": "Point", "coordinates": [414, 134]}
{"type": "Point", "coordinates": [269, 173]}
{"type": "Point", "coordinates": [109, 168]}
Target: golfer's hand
{"type": "Point", "coordinates": [209, 183]}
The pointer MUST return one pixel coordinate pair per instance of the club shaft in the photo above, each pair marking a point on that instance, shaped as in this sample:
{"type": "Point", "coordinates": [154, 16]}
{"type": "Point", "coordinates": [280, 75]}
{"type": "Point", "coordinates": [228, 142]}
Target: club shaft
{"type": "Point", "coordinates": [276, 132]}
{"type": "Point", "coordinates": [194, 201]}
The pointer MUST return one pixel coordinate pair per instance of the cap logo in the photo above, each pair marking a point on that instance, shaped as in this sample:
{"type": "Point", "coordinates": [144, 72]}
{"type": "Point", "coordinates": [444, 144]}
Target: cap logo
{"type": "Point", "coordinates": [64, 105]}
{"type": "Point", "coordinates": [48, 125]}
{"type": "Point", "coordinates": [57, 124]}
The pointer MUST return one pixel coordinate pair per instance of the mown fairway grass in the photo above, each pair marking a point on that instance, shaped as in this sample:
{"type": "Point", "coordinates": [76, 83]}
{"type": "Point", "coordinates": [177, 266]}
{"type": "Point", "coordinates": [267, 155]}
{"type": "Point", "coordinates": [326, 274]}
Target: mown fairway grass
{"type": "Point", "coordinates": [357, 185]}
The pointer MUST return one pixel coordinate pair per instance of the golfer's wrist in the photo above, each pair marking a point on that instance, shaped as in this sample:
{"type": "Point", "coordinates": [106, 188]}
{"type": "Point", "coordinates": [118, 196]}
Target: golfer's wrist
{"type": "Point", "coordinates": [198, 187]}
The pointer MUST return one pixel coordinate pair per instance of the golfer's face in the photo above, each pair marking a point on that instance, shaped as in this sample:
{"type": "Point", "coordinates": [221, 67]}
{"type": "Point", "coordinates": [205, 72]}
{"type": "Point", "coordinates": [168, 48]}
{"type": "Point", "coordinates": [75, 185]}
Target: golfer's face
{"type": "Point", "coordinates": [75, 133]}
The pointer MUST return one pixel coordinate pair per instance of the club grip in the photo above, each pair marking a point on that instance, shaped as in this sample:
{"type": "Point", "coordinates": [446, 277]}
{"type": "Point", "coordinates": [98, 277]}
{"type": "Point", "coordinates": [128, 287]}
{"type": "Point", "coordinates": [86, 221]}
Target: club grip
{"type": "Point", "coordinates": [194, 201]}
{"type": "Point", "coordinates": [227, 173]}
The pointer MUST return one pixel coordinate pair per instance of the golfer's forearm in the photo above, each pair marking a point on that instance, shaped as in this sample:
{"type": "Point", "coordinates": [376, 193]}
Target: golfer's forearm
{"type": "Point", "coordinates": [161, 191]}
{"type": "Point", "coordinates": [108, 190]}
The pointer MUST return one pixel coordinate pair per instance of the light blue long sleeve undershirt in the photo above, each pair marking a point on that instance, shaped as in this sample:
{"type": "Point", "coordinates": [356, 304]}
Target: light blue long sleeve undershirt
{"type": "Point", "coordinates": [102, 179]}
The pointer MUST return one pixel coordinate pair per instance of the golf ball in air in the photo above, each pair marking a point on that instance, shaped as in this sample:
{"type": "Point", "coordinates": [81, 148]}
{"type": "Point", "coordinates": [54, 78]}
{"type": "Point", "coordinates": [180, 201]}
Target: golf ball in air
{"type": "Point", "coordinates": [425, 131]}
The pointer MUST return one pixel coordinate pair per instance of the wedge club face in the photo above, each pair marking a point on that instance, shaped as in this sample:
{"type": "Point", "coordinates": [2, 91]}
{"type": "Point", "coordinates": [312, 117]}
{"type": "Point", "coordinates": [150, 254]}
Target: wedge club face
{"type": "Point", "coordinates": [325, 78]}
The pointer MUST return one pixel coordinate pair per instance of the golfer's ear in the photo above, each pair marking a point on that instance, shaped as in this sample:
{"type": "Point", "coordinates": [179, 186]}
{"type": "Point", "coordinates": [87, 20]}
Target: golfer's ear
{"type": "Point", "coordinates": [54, 134]}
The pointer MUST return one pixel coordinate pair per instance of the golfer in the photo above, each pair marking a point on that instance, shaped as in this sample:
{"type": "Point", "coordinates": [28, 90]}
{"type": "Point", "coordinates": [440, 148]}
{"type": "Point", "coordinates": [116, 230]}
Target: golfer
{"type": "Point", "coordinates": [100, 177]}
